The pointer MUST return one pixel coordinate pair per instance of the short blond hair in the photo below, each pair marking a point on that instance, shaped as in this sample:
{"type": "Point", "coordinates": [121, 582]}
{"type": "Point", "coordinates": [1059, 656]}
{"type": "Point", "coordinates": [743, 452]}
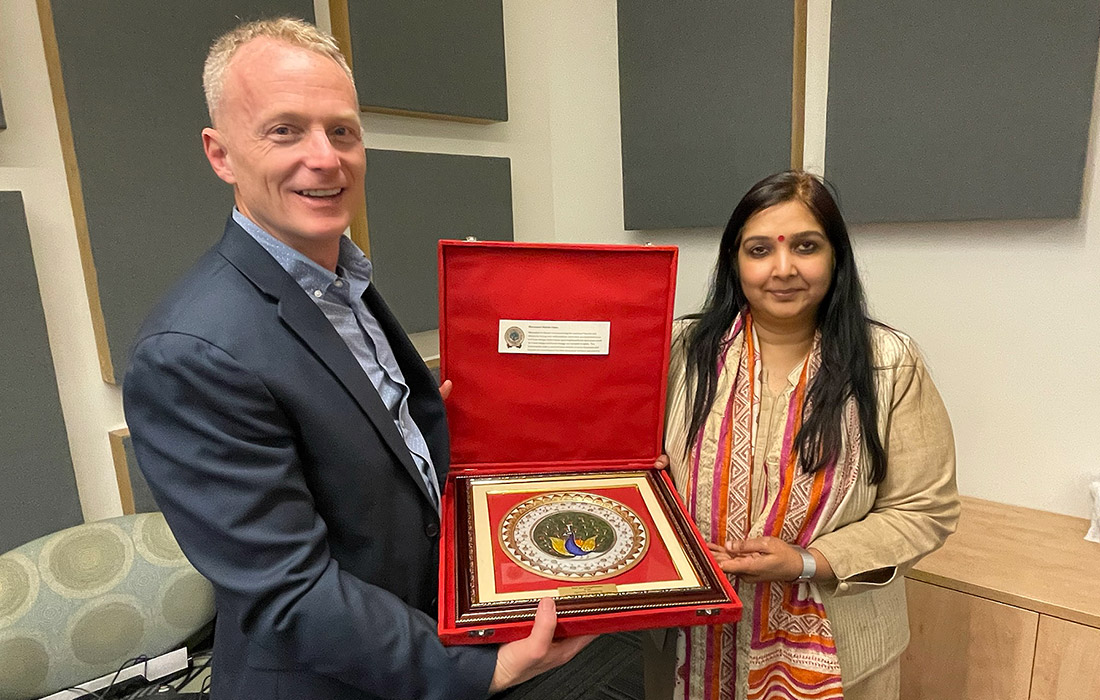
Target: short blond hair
{"type": "Point", "coordinates": [290, 30]}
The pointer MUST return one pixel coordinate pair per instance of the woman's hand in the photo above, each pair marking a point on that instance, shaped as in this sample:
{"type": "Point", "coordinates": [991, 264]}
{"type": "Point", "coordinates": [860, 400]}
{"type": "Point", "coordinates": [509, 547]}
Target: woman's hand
{"type": "Point", "coordinates": [759, 559]}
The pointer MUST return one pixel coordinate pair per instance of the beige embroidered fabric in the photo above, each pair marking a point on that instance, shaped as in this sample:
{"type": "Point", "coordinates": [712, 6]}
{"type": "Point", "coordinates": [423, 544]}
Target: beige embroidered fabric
{"type": "Point", "coordinates": [773, 409]}
{"type": "Point", "coordinates": [879, 531]}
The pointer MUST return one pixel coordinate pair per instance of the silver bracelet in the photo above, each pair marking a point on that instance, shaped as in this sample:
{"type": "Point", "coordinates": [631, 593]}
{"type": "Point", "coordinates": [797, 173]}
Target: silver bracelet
{"type": "Point", "coordinates": [809, 564]}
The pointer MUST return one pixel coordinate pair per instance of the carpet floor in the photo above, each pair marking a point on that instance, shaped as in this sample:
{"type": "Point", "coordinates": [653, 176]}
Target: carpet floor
{"type": "Point", "coordinates": [610, 668]}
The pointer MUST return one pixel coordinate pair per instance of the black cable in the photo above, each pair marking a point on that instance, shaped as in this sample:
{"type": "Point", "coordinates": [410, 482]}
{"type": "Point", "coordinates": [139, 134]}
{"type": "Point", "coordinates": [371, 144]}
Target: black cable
{"type": "Point", "coordinates": [193, 672]}
{"type": "Point", "coordinates": [106, 692]}
{"type": "Point", "coordinates": [175, 681]}
{"type": "Point", "coordinates": [145, 690]}
{"type": "Point", "coordinates": [84, 692]}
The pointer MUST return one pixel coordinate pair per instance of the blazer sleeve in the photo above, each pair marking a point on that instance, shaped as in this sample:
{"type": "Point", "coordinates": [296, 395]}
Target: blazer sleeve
{"type": "Point", "coordinates": [222, 459]}
{"type": "Point", "coordinates": [916, 506]}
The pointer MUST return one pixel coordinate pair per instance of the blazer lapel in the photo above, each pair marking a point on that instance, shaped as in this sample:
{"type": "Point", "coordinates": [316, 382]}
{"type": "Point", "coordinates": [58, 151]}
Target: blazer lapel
{"type": "Point", "coordinates": [425, 405]}
{"type": "Point", "coordinates": [309, 323]}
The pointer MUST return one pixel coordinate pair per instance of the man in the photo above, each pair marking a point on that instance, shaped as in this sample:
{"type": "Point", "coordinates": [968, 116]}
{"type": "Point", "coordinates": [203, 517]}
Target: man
{"type": "Point", "coordinates": [293, 438]}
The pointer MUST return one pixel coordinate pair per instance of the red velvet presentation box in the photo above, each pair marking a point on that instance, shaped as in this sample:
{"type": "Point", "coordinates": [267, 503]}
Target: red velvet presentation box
{"type": "Point", "coordinates": [559, 356]}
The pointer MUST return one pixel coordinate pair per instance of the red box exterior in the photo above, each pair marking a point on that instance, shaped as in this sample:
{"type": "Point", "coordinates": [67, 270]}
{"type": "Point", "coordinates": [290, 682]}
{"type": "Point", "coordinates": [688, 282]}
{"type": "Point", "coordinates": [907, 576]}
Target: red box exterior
{"type": "Point", "coordinates": [552, 413]}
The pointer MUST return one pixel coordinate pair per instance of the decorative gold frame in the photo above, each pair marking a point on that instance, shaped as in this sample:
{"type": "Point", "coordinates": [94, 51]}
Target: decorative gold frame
{"type": "Point", "coordinates": [477, 600]}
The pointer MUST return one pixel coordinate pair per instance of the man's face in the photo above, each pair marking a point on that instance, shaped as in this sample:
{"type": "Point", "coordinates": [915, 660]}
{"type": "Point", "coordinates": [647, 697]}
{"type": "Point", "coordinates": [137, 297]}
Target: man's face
{"type": "Point", "coordinates": [287, 137]}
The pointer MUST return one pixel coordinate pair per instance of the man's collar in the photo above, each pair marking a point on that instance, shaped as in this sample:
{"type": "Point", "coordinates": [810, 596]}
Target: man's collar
{"type": "Point", "coordinates": [305, 271]}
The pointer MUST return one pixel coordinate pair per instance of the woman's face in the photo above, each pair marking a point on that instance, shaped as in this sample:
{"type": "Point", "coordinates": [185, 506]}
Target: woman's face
{"type": "Point", "coordinates": [786, 264]}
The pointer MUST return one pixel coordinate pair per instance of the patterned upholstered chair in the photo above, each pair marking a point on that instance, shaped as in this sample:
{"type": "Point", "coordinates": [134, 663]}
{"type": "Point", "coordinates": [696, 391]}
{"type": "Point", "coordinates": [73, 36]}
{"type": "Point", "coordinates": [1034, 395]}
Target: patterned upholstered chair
{"type": "Point", "coordinates": [79, 603]}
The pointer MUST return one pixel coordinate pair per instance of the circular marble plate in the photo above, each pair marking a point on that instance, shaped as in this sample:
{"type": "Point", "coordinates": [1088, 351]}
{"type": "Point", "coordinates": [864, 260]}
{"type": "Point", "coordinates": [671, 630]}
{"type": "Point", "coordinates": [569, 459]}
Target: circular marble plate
{"type": "Point", "coordinates": [573, 536]}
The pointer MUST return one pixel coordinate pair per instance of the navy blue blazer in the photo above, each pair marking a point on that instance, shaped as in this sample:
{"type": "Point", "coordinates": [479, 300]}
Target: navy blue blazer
{"type": "Point", "coordinates": [287, 484]}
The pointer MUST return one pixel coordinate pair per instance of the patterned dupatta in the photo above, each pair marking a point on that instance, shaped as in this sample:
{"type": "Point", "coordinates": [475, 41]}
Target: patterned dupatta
{"type": "Point", "coordinates": [789, 650]}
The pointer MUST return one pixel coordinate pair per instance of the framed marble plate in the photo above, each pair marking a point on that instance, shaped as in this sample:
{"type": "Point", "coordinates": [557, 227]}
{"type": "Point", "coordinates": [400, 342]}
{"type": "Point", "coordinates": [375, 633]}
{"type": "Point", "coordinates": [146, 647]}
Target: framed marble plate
{"type": "Point", "coordinates": [595, 541]}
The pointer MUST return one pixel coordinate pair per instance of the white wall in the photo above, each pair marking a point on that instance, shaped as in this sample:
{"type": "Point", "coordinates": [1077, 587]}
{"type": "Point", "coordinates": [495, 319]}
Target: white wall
{"type": "Point", "coordinates": [30, 161]}
{"type": "Point", "coordinates": [1003, 310]}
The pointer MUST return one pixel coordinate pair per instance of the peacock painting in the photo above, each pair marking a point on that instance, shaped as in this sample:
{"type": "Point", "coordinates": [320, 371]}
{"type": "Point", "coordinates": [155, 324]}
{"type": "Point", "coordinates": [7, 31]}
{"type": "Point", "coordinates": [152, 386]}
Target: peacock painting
{"type": "Point", "coordinates": [573, 534]}
{"type": "Point", "coordinates": [569, 546]}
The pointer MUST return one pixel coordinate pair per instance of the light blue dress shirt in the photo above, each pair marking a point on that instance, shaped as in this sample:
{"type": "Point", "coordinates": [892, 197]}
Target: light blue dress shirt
{"type": "Point", "coordinates": [340, 298]}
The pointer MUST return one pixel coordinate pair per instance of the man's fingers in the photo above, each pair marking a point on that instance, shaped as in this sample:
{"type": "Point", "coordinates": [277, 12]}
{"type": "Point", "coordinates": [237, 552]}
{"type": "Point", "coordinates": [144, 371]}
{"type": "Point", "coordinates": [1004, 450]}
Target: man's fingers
{"type": "Point", "coordinates": [523, 659]}
{"type": "Point", "coordinates": [546, 621]}
{"type": "Point", "coordinates": [445, 389]}
{"type": "Point", "coordinates": [662, 462]}
{"type": "Point", "coordinates": [568, 648]}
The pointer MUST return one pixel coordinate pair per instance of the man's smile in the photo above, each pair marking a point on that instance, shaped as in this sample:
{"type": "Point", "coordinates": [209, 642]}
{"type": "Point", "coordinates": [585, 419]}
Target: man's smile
{"type": "Point", "coordinates": [320, 193]}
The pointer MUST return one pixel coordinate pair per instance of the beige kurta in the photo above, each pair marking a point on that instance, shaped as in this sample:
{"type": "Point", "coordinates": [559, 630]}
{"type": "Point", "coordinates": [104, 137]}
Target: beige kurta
{"type": "Point", "coordinates": [879, 531]}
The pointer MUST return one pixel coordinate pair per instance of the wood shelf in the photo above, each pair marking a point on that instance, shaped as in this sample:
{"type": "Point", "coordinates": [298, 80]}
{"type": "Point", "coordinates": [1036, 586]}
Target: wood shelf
{"type": "Point", "coordinates": [1028, 558]}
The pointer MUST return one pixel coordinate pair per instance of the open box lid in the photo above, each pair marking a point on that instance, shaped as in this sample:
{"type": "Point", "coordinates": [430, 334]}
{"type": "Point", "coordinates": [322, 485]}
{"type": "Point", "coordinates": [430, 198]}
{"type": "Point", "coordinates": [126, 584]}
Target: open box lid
{"type": "Point", "coordinates": [598, 398]}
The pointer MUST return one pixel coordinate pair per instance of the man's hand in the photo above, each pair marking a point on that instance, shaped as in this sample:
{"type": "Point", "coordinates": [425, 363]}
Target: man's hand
{"type": "Point", "coordinates": [759, 559]}
{"type": "Point", "coordinates": [524, 659]}
{"type": "Point", "coordinates": [445, 389]}
{"type": "Point", "coordinates": [662, 462]}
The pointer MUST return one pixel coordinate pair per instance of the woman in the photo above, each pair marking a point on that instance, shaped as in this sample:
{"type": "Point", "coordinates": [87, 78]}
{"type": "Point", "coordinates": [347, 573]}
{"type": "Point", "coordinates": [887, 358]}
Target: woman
{"type": "Point", "coordinates": [812, 449]}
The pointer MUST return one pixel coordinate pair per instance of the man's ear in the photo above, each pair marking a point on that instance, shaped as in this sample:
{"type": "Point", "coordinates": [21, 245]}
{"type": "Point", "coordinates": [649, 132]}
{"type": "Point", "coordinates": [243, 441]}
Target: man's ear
{"type": "Point", "coordinates": [213, 144]}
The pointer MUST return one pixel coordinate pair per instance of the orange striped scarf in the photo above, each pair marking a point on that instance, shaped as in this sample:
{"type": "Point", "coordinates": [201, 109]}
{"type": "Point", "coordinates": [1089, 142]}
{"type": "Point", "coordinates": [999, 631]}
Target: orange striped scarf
{"type": "Point", "coordinates": [787, 651]}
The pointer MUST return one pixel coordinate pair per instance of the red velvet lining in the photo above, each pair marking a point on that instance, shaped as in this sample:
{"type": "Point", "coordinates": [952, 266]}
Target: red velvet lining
{"type": "Point", "coordinates": [555, 409]}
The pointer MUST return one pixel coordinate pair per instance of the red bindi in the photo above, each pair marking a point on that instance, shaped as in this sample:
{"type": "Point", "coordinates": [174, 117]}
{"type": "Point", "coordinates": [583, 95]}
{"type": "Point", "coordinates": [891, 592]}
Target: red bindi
{"type": "Point", "coordinates": [782, 238]}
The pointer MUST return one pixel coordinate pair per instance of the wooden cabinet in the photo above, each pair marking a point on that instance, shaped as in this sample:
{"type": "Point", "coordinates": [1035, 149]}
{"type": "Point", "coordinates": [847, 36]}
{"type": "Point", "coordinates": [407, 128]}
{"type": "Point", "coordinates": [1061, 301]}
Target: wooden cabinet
{"type": "Point", "coordinates": [963, 646]}
{"type": "Point", "coordinates": [1067, 661]}
{"type": "Point", "coordinates": [1009, 609]}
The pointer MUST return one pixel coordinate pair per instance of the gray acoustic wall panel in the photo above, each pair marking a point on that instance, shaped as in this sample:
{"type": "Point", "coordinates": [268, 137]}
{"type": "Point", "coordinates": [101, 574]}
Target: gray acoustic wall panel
{"type": "Point", "coordinates": [416, 199]}
{"type": "Point", "coordinates": [443, 58]}
{"type": "Point", "coordinates": [705, 97]}
{"type": "Point", "coordinates": [37, 484]}
{"type": "Point", "coordinates": [133, 80]}
{"type": "Point", "coordinates": [945, 110]}
{"type": "Point", "coordinates": [143, 496]}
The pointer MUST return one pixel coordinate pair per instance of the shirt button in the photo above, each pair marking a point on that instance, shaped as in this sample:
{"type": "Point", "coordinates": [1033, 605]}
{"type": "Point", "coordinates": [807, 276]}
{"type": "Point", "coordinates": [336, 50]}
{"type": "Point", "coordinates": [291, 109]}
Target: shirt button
{"type": "Point", "coordinates": [338, 283]}
{"type": "Point", "coordinates": [431, 530]}
{"type": "Point", "coordinates": [318, 293]}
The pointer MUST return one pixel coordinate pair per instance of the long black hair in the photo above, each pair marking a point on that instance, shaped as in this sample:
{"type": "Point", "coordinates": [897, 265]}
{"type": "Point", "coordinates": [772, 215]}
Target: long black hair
{"type": "Point", "coordinates": [847, 368]}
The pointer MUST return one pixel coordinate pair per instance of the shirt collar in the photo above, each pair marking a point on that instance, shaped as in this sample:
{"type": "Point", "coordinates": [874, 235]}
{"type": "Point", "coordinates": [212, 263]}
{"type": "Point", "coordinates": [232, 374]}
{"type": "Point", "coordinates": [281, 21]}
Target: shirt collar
{"type": "Point", "coordinates": [308, 274]}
